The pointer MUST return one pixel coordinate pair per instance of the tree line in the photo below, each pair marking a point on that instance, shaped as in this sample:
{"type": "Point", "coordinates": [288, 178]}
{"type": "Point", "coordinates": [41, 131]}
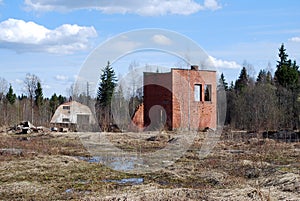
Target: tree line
{"type": "Point", "coordinates": [269, 102]}
{"type": "Point", "coordinates": [30, 105]}
{"type": "Point", "coordinates": [33, 106]}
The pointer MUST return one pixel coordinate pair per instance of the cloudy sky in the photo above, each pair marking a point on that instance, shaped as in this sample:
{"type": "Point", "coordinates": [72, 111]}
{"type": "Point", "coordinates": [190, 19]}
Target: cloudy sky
{"type": "Point", "coordinates": [53, 38]}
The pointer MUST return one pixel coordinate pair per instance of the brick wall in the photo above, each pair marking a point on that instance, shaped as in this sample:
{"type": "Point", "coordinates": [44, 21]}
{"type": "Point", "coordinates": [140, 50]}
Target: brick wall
{"type": "Point", "coordinates": [157, 100]}
{"type": "Point", "coordinates": [188, 113]}
{"type": "Point", "coordinates": [138, 119]}
{"type": "Point", "coordinates": [169, 99]}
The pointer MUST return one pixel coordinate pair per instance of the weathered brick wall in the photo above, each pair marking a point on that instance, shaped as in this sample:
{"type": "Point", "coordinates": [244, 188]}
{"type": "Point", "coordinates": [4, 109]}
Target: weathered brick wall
{"type": "Point", "coordinates": [157, 92]}
{"type": "Point", "coordinates": [188, 113]}
{"type": "Point", "coordinates": [138, 118]}
{"type": "Point", "coordinates": [174, 93]}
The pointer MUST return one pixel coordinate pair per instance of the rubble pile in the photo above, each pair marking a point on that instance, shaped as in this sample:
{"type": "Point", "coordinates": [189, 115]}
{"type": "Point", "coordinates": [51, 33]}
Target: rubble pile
{"type": "Point", "coordinates": [25, 127]}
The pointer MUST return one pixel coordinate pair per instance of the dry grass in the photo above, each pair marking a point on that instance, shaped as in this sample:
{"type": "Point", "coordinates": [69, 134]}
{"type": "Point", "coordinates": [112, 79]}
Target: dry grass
{"type": "Point", "coordinates": [49, 169]}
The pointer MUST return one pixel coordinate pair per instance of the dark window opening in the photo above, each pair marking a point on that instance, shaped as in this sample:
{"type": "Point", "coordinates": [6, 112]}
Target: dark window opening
{"type": "Point", "coordinates": [66, 120]}
{"type": "Point", "coordinates": [66, 107]}
{"type": "Point", "coordinates": [207, 92]}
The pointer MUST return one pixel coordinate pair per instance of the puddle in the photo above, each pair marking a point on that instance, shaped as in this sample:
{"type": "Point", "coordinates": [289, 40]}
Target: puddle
{"type": "Point", "coordinates": [132, 181]}
{"type": "Point", "coordinates": [116, 163]}
{"type": "Point", "coordinates": [11, 151]}
{"type": "Point", "coordinates": [69, 190]}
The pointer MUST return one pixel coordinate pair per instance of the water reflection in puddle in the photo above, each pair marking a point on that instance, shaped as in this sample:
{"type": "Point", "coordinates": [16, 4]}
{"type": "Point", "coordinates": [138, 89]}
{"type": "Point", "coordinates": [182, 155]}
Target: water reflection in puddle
{"type": "Point", "coordinates": [132, 181]}
{"type": "Point", "coordinates": [116, 163]}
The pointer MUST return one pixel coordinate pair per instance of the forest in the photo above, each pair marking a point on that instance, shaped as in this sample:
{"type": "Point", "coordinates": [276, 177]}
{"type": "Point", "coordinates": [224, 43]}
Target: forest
{"type": "Point", "coordinates": [269, 101]}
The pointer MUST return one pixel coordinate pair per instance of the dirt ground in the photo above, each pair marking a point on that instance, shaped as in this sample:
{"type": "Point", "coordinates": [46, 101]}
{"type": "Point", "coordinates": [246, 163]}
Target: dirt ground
{"type": "Point", "coordinates": [56, 166]}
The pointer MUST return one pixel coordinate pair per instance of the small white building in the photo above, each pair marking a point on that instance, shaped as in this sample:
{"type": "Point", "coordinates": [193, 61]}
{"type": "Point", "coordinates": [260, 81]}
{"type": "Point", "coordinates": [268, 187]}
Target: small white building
{"type": "Point", "coordinates": [73, 116]}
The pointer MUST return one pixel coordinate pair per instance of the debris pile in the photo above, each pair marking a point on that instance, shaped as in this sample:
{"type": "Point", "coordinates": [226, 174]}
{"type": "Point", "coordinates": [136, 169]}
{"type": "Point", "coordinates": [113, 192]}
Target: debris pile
{"type": "Point", "coordinates": [25, 127]}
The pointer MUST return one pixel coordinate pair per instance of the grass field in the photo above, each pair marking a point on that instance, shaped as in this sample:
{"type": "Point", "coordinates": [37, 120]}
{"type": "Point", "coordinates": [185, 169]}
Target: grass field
{"type": "Point", "coordinates": [50, 166]}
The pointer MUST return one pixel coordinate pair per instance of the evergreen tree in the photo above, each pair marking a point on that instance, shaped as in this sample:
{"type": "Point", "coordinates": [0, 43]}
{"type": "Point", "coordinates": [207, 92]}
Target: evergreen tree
{"type": "Point", "coordinates": [61, 99]}
{"type": "Point", "coordinates": [54, 103]}
{"type": "Point", "coordinates": [282, 56]}
{"type": "Point", "coordinates": [262, 77]}
{"type": "Point", "coordinates": [243, 80]}
{"type": "Point", "coordinates": [104, 96]}
{"type": "Point", "coordinates": [286, 73]}
{"type": "Point", "coordinates": [107, 85]}
{"type": "Point", "coordinates": [231, 87]}
{"type": "Point", "coordinates": [38, 95]}
{"type": "Point", "coordinates": [11, 96]}
{"type": "Point", "coordinates": [223, 82]}
{"type": "Point", "coordinates": [287, 78]}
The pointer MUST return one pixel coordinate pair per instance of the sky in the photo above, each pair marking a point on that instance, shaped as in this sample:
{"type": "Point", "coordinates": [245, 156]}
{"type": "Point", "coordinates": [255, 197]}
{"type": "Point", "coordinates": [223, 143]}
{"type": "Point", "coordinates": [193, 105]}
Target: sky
{"type": "Point", "coordinates": [55, 39]}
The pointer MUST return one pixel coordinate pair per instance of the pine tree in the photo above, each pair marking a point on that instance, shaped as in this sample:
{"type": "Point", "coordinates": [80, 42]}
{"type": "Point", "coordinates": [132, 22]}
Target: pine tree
{"type": "Point", "coordinates": [61, 99]}
{"type": "Point", "coordinates": [282, 56]}
{"type": "Point", "coordinates": [11, 96]}
{"type": "Point", "coordinates": [231, 87]}
{"type": "Point", "coordinates": [286, 73]}
{"type": "Point", "coordinates": [287, 77]}
{"type": "Point", "coordinates": [104, 96]}
{"type": "Point", "coordinates": [223, 82]}
{"type": "Point", "coordinates": [38, 95]}
{"type": "Point", "coordinates": [242, 81]}
{"type": "Point", "coordinates": [106, 87]}
{"type": "Point", "coordinates": [54, 103]}
{"type": "Point", "coordinates": [262, 77]}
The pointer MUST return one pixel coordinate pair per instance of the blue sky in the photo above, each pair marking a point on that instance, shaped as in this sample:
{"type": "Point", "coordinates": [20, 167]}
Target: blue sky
{"type": "Point", "coordinates": [53, 39]}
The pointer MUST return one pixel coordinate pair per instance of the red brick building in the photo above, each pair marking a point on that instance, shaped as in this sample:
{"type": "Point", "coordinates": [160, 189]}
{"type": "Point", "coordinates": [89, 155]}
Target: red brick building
{"type": "Point", "coordinates": [180, 99]}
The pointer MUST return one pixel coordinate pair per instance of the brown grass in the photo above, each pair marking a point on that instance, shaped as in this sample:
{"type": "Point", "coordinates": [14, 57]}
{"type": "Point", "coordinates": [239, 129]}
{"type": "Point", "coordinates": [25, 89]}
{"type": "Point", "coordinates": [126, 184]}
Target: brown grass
{"type": "Point", "coordinates": [49, 169]}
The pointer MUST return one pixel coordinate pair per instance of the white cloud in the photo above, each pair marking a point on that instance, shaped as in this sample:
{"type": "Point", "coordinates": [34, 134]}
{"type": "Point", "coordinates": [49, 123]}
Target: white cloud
{"type": "Point", "coordinates": [61, 78]}
{"type": "Point", "coordinates": [145, 8]}
{"type": "Point", "coordinates": [161, 39]}
{"type": "Point", "coordinates": [218, 63]}
{"type": "Point", "coordinates": [295, 39]}
{"type": "Point", "coordinates": [212, 5]}
{"type": "Point", "coordinates": [28, 36]}
{"type": "Point", "coordinates": [122, 46]}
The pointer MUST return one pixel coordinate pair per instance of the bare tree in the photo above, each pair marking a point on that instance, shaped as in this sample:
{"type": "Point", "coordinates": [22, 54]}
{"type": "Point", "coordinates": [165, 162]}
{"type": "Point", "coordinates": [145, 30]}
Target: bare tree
{"type": "Point", "coordinates": [31, 81]}
{"type": "Point", "coordinates": [134, 81]}
{"type": "Point", "coordinates": [73, 91]}
{"type": "Point", "coordinates": [3, 87]}
{"type": "Point", "coordinates": [3, 90]}
{"type": "Point", "coordinates": [250, 70]}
